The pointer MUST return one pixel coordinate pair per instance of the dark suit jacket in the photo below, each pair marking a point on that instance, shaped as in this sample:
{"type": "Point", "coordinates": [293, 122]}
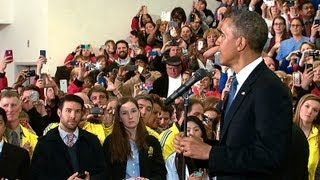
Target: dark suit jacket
{"type": "Point", "coordinates": [160, 86]}
{"type": "Point", "coordinates": [14, 162]}
{"type": "Point", "coordinates": [151, 164]}
{"type": "Point", "coordinates": [51, 159]}
{"type": "Point", "coordinates": [298, 155]}
{"type": "Point", "coordinates": [256, 131]}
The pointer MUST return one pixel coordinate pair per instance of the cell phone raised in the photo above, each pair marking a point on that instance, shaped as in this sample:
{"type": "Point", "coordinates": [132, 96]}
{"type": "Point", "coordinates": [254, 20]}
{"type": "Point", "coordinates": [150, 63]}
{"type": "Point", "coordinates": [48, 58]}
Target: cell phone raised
{"type": "Point", "coordinates": [8, 53]}
{"type": "Point", "coordinates": [308, 66]}
{"type": "Point", "coordinates": [96, 110]}
{"type": "Point", "coordinates": [31, 73]}
{"type": "Point", "coordinates": [85, 46]}
{"type": "Point", "coordinates": [131, 67]}
{"type": "Point", "coordinates": [34, 96]}
{"type": "Point", "coordinates": [82, 175]}
{"type": "Point", "coordinates": [43, 53]}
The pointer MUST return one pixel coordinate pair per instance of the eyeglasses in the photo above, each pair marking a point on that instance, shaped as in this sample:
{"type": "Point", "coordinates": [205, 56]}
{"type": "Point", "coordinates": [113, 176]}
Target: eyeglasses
{"type": "Point", "coordinates": [295, 25]}
{"type": "Point", "coordinates": [278, 24]}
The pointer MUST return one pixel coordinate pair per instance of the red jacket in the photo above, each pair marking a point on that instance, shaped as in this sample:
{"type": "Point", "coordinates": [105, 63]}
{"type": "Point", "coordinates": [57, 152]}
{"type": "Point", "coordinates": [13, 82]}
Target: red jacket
{"type": "Point", "coordinates": [75, 86]}
{"type": "Point", "coordinates": [3, 81]}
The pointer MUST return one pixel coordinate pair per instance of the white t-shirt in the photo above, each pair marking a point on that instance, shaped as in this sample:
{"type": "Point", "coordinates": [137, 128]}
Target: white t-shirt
{"type": "Point", "coordinates": [174, 84]}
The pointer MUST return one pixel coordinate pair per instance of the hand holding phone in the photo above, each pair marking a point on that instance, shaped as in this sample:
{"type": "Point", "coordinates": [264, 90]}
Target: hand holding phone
{"type": "Point", "coordinates": [43, 53]}
{"type": "Point", "coordinates": [8, 54]}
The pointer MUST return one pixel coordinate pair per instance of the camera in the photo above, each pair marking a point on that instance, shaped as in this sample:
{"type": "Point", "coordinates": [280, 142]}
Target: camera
{"type": "Point", "coordinates": [96, 110]}
{"type": "Point", "coordinates": [31, 73]}
{"type": "Point", "coordinates": [34, 96]}
{"type": "Point", "coordinates": [174, 42]}
{"type": "Point", "coordinates": [131, 67]}
{"type": "Point", "coordinates": [102, 80]}
{"type": "Point", "coordinates": [88, 66]}
{"type": "Point", "coordinates": [192, 17]}
{"type": "Point", "coordinates": [82, 175]}
{"type": "Point", "coordinates": [85, 46]}
{"type": "Point", "coordinates": [313, 53]}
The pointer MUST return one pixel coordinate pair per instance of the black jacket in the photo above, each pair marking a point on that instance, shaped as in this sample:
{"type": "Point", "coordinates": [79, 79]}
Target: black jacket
{"type": "Point", "coordinates": [14, 162]}
{"type": "Point", "coordinates": [51, 159]}
{"type": "Point", "coordinates": [151, 161]}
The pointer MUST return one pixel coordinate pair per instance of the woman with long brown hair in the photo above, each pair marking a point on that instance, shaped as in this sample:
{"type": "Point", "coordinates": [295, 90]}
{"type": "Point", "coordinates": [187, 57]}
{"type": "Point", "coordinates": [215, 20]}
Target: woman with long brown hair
{"type": "Point", "coordinates": [307, 118]}
{"type": "Point", "coordinates": [130, 151]}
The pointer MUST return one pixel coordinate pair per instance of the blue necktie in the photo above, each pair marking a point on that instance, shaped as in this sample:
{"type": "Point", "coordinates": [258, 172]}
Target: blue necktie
{"type": "Point", "coordinates": [232, 92]}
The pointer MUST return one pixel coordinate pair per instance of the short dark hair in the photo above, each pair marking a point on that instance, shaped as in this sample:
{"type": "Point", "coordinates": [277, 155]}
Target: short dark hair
{"type": "Point", "coordinates": [122, 41]}
{"type": "Point", "coordinates": [144, 97]}
{"type": "Point", "coordinates": [168, 108]}
{"type": "Point", "coordinates": [30, 87]}
{"type": "Point", "coordinates": [9, 92]}
{"type": "Point", "coordinates": [251, 26]}
{"type": "Point", "coordinates": [98, 88]}
{"type": "Point", "coordinates": [71, 98]}
{"type": "Point", "coordinates": [4, 115]}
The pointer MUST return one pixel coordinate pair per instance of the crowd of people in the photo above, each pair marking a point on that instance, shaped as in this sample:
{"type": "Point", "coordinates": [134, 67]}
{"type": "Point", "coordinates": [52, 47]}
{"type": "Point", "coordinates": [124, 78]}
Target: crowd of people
{"type": "Point", "coordinates": [255, 113]}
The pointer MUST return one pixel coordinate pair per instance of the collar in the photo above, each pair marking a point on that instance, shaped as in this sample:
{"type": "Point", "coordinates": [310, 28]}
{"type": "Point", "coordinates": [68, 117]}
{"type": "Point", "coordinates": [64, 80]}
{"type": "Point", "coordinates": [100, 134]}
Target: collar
{"type": "Point", "coordinates": [18, 130]}
{"type": "Point", "coordinates": [63, 133]}
{"type": "Point", "coordinates": [246, 71]}
{"type": "Point", "coordinates": [123, 62]}
{"type": "Point", "coordinates": [1, 144]}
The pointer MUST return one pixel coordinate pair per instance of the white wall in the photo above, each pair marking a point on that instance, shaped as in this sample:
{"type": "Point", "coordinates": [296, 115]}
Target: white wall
{"type": "Point", "coordinates": [60, 25]}
{"type": "Point", "coordinates": [30, 23]}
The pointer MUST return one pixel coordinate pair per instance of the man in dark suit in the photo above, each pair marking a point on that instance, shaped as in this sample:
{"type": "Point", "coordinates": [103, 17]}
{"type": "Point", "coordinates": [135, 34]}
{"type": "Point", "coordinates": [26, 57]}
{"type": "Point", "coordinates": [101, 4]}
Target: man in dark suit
{"type": "Point", "coordinates": [169, 82]}
{"type": "Point", "coordinates": [67, 152]}
{"type": "Point", "coordinates": [14, 160]}
{"type": "Point", "coordinates": [256, 122]}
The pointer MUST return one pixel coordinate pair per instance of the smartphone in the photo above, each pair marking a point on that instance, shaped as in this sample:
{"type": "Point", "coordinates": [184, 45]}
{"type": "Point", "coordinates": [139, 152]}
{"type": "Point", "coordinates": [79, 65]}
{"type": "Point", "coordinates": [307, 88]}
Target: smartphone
{"type": "Point", "coordinates": [96, 110]}
{"type": "Point", "coordinates": [317, 21]}
{"type": "Point", "coordinates": [85, 46]}
{"type": "Point", "coordinates": [43, 53]}
{"type": "Point", "coordinates": [153, 53]}
{"type": "Point", "coordinates": [173, 24]}
{"type": "Point", "coordinates": [82, 175]}
{"type": "Point", "coordinates": [200, 45]}
{"type": "Point", "coordinates": [102, 80]}
{"type": "Point", "coordinates": [8, 52]}
{"type": "Point", "coordinates": [34, 96]}
{"type": "Point", "coordinates": [269, 3]}
{"type": "Point", "coordinates": [31, 73]}
{"type": "Point", "coordinates": [63, 85]}
{"type": "Point", "coordinates": [148, 86]}
{"type": "Point", "coordinates": [307, 66]}
{"type": "Point", "coordinates": [296, 79]}
{"type": "Point", "coordinates": [131, 67]}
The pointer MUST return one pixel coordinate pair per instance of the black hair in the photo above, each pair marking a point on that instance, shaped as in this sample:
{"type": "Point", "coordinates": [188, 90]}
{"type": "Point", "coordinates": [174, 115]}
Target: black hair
{"type": "Point", "coordinates": [4, 115]}
{"type": "Point", "coordinates": [122, 41]}
{"type": "Point", "coordinates": [71, 98]}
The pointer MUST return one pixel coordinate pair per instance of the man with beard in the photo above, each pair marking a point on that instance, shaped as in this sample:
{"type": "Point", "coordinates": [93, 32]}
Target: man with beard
{"type": "Point", "coordinates": [122, 49]}
{"type": "Point", "coordinates": [68, 152]}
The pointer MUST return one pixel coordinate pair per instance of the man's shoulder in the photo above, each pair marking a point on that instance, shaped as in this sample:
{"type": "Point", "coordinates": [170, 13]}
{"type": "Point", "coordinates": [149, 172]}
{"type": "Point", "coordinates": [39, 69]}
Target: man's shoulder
{"type": "Point", "coordinates": [88, 136]}
{"type": "Point", "coordinates": [15, 150]}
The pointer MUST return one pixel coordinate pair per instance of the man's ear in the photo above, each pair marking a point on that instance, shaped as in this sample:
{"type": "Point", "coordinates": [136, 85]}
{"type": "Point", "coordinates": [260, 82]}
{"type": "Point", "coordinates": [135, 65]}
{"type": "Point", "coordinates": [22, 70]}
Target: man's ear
{"type": "Point", "coordinates": [241, 43]}
{"type": "Point", "coordinates": [59, 112]}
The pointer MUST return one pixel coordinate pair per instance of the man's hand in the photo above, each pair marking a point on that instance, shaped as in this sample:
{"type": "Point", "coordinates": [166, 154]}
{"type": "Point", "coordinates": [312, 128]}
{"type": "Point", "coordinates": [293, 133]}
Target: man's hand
{"type": "Point", "coordinates": [22, 77]}
{"type": "Point", "coordinates": [191, 147]}
{"type": "Point", "coordinates": [41, 60]}
{"type": "Point", "coordinates": [82, 71]}
{"type": "Point", "coordinates": [4, 62]}
{"type": "Point", "coordinates": [77, 176]}
{"type": "Point", "coordinates": [27, 104]}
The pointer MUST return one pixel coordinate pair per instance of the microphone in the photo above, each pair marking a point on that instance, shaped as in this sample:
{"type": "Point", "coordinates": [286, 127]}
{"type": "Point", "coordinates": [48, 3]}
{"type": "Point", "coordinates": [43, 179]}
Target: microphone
{"type": "Point", "coordinates": [197, 76]}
